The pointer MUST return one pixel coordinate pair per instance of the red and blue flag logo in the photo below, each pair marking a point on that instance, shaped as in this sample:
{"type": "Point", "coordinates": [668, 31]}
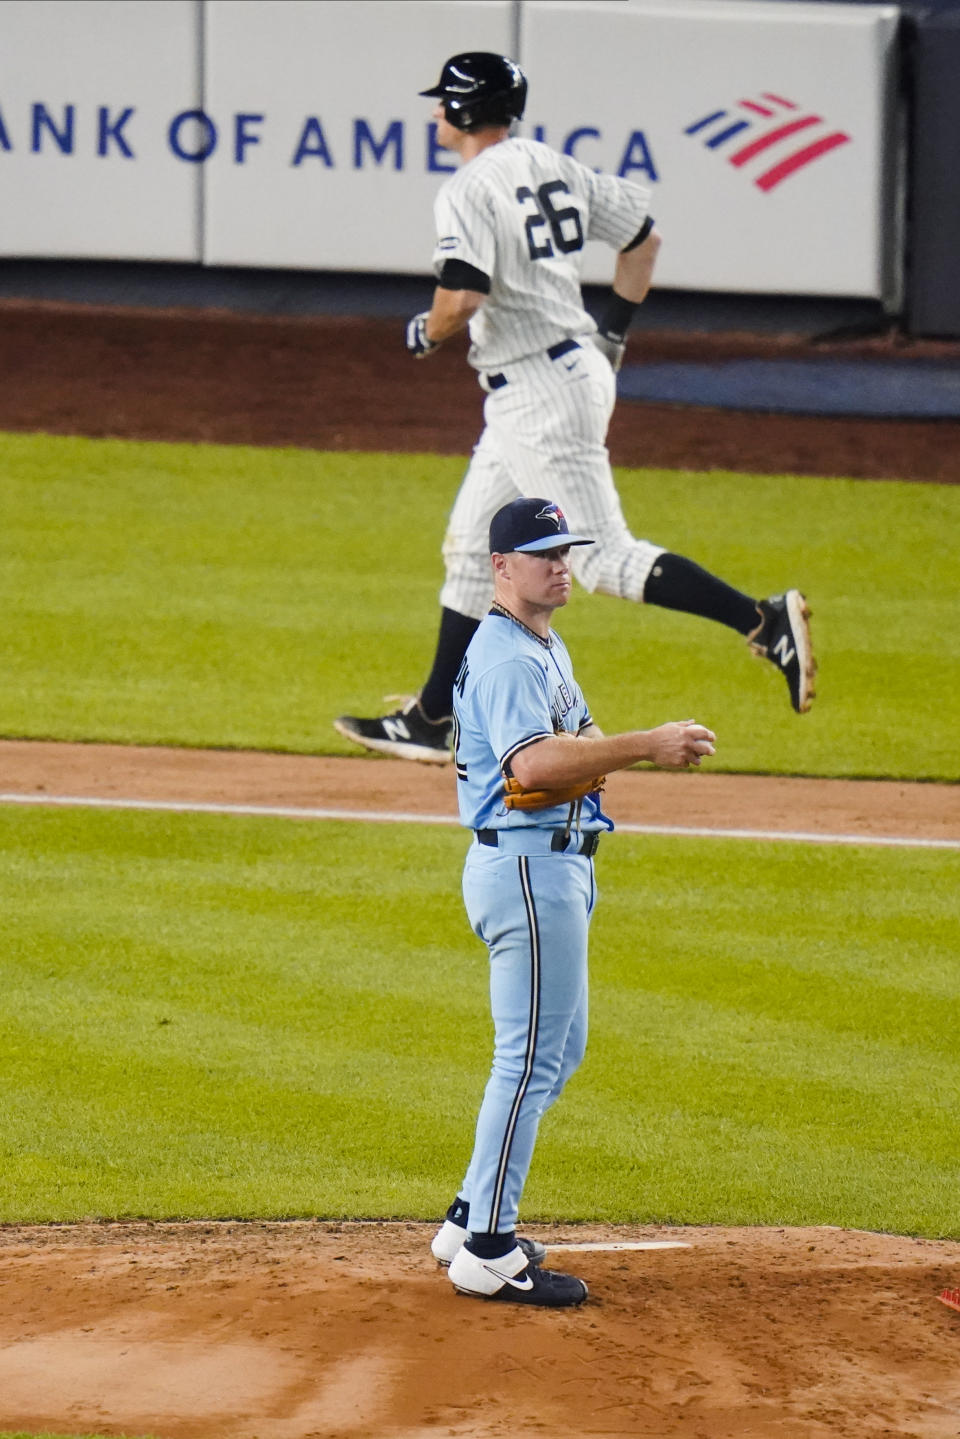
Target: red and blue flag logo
{"type": "Point", "coordinates": [769, 138]}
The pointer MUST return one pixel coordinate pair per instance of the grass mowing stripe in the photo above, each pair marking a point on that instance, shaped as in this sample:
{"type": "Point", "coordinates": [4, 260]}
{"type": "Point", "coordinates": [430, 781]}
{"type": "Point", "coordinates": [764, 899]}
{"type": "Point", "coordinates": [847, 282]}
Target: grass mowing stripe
{"type": "Point", "coordinates": [772, 1028]}
{"type": "Point", "coordinates": [219, 595]}
{"type": "Point", "coordinates": [773, 1175]}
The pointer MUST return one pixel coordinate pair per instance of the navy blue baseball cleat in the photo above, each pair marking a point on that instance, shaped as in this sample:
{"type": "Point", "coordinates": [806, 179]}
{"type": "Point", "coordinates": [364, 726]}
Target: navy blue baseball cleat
{"type": "Point", "coordinates": [511, 1279]}
{"type": "Point", "coordinates": [405, 734]}
{"type": "Point", "coordinates": [783, 638]}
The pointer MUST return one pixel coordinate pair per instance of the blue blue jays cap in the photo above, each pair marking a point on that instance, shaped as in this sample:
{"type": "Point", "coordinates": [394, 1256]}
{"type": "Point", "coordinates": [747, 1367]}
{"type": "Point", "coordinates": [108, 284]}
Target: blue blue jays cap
{"type": "Point", "coordinates": [531, 525]}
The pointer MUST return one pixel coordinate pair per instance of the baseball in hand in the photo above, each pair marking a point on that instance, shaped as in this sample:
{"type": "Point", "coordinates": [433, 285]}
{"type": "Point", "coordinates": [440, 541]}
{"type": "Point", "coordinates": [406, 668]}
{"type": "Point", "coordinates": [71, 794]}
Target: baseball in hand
{"type": "Point", "coordinates": [706, 740]}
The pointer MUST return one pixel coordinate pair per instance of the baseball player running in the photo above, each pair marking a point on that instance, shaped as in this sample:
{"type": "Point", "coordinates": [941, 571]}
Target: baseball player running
{"type": "Point", "coordinates": [530, 762]}
{"type": "Point", "coordinates": [511, 226]}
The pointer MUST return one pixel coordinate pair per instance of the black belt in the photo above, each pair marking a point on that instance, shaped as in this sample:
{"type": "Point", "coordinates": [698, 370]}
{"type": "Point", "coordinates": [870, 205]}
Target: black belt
{"type": "Point", "coordinates": [561, 843]}
{"type": "Point", "coordinates": [562, 347]}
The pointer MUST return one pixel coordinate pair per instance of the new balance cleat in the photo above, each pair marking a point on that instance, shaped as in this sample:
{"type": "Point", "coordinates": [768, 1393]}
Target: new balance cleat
{"type": "Point", "coordinates": [783, 638]}
{"type": "Point", "coordinates": [512, 1279]}
{"type": "Point", "coordinates": [405, 734]}
{"type": "Point", "coordinates": [450, 1239]}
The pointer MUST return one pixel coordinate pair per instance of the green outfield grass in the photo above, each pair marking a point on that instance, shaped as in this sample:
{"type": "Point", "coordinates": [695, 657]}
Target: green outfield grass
{"type": "Point", "coordinates": [214, 1016]}
{"type": "Point", "coordinates": [233, 596]}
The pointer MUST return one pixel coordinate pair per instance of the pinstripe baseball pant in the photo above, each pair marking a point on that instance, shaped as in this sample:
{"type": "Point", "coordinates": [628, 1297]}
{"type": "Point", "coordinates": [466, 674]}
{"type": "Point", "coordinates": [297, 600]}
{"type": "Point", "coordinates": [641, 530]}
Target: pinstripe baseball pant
{"type": "Point", "coordinates": [545, 429]}
{"type": "Point", "coordinates": [533, 912]}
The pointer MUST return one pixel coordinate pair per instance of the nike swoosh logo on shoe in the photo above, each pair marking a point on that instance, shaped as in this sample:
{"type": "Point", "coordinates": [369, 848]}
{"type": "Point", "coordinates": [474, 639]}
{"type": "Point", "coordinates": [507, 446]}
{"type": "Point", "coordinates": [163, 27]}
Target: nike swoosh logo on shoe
{"type": "Point", "coordinates": [509, 1278]}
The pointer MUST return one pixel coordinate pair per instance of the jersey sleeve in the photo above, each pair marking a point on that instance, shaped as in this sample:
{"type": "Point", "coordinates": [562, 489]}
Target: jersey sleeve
{"type": "Point", "coordinates": [618, 208]}
{"type": "Point", "coordinates": [465, 231]}
{"type": "Point", "coordinates": [514, 699]}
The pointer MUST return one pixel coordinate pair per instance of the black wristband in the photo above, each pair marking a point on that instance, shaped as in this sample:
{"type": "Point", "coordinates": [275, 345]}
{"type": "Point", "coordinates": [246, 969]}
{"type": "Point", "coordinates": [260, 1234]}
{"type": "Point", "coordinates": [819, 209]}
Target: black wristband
{"type": "Point", "coordinates": [615, 319]}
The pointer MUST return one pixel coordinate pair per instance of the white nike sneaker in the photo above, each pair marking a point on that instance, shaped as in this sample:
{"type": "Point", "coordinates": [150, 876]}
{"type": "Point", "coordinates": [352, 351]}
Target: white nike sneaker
{"type": "Point", "coordinates": [450, 1239]}
{"type": "Point", "coordinates": [512, 1279]}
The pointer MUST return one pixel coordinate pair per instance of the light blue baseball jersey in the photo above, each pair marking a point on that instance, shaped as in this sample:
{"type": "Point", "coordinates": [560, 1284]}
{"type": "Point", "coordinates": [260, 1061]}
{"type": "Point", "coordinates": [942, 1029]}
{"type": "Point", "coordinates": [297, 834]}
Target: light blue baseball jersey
{"type": "Point", "coordinates": [512, 690]}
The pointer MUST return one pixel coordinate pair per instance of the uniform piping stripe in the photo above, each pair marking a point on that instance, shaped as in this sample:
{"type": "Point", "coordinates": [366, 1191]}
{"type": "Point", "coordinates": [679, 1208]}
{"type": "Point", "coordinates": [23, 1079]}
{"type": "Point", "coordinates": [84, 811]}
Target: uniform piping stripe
{"type": "Point", "coordinates": [533, 1021]}
{"type": "Point", "coordinates": [524, 743]}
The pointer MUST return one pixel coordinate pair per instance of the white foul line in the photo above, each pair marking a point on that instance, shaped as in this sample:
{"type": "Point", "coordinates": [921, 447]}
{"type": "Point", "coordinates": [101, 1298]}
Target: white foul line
{"type": "Point", "coordinates": [798, 836]}
{"type": "Point", "coordinates": [274, 811]}
{"type": "Point", "coordinates": [265, 811]}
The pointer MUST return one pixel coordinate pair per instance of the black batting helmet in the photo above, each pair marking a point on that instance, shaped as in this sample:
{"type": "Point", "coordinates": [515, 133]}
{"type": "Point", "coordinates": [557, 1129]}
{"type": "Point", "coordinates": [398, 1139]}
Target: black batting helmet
{"type": "Point", "coordinates": [479, 88]}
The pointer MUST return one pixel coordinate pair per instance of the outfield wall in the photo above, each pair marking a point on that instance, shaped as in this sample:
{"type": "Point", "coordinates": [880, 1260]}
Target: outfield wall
{"type": "Point", "coordinates": [289, 133]}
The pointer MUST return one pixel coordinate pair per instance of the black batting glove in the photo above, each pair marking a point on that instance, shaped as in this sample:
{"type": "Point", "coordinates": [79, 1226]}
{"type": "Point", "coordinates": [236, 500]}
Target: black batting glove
{"type": "Point", "coordinates": [417, 342]}
{"type": "Point", "coordinates": [612, 326]}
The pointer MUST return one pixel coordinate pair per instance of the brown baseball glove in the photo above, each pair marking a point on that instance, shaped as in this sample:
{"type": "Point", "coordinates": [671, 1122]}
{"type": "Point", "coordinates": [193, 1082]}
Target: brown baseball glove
{"type": "Point", "coordinates": [516, 797]}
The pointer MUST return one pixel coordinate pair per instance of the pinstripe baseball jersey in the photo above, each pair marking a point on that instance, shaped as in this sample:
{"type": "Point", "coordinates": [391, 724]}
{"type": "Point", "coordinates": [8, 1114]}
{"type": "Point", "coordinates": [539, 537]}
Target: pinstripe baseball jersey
{"type": "Point", "coordinates": [521, 213]}
{"type": "Point", "coordinates": [512, 690]}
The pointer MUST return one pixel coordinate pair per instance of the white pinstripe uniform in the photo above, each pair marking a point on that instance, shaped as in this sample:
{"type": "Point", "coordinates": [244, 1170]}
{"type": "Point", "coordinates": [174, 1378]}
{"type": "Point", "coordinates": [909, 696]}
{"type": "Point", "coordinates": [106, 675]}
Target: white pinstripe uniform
{"type": "Point", "coordinates": [520, 213]}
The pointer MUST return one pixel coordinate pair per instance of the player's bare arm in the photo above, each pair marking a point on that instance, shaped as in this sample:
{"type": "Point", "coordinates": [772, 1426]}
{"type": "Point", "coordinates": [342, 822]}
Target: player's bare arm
{"type": "Point", "coordinates": [632, 279]}
{"type": "Point", "coordinates": [633, 275]}
{"type": "Point", "coordinates": [451, 311]}
{"type": "Point", "coordinates": [564, 760]}
{"type": "Point", "coordinates": [461, 291]}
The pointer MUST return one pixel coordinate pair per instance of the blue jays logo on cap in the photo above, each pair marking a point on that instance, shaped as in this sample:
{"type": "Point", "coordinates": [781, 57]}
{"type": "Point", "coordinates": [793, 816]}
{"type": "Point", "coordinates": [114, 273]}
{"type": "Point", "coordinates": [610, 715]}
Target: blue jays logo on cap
{"type": "Point", "coordinates": [531, 525]}
{"type": "Point", "coordinates": [554, 513]}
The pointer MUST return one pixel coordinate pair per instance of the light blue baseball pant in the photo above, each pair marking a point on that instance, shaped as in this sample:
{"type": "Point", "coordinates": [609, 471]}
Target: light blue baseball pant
{"type": "Point", "coordinates": [533, 912]}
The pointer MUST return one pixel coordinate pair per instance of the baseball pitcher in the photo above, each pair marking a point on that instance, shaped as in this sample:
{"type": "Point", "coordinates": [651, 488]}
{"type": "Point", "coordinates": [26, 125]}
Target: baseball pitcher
{"type": "Point", "coordinates": [530, 764]}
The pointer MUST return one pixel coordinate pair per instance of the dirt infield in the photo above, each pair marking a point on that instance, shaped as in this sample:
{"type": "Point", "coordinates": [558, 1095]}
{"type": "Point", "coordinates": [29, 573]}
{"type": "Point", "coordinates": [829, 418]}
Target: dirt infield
{"type": "Point", "coordinates": [341, 383]}
{"type": "Point", "coordinates": [349, 1331]}
{"type": "Point", "coordinates": [777, 804]}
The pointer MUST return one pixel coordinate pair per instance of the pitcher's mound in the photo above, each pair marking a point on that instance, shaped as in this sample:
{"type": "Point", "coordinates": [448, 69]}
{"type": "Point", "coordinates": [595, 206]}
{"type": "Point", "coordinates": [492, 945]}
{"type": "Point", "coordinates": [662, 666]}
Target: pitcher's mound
{"type": "Point", "coordinates": [289, 1331]}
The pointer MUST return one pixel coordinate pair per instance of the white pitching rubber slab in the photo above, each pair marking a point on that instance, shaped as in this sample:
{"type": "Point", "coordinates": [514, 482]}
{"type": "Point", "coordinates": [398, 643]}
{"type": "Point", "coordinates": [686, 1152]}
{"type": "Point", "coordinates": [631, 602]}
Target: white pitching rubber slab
{"type": "Point", "coordinates": [607, 1248]}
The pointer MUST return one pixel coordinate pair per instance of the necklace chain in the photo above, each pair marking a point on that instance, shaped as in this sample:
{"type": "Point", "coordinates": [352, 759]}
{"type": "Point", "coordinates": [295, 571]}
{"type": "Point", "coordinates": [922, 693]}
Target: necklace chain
{"type": "Point", "coordinates": [497, 609]}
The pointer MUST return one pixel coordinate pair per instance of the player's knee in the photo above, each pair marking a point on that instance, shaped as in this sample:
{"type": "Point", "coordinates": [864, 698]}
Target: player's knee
{"type": "Point", "coordinates": [573, 1057]}
{"type": "Point", "coordinates": [468, 587]}
{"type": "Point", "coordinates": [618, 567]}
{"type": "Point", "coordinates": [541, 1085]}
